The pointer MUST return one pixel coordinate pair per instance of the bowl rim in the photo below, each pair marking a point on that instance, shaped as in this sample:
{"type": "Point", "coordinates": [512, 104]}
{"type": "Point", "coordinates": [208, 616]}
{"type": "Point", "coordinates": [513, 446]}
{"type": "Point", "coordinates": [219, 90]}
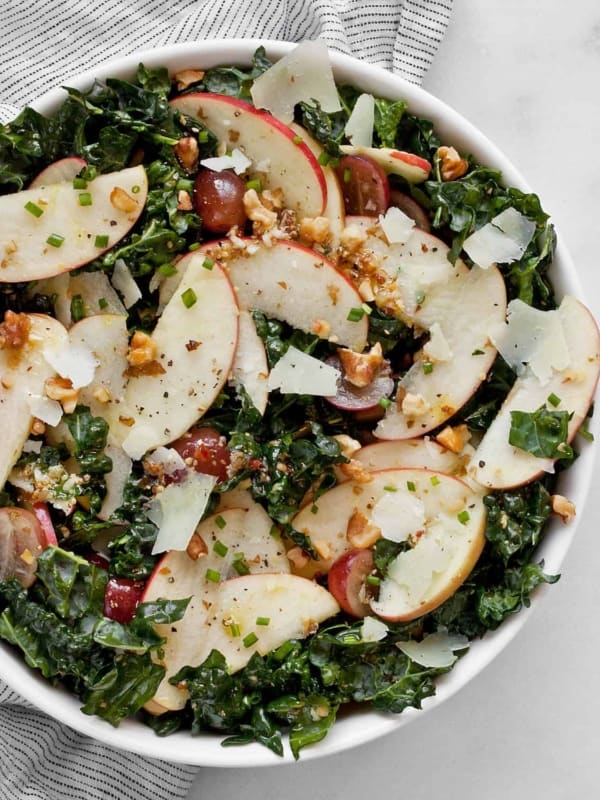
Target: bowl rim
{"type": "Point", "coordinates": [362, 726]}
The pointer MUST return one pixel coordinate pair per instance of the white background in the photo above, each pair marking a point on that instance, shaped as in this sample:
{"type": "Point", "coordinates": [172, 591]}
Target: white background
{"type": "Point", "coordinates": [526, 73]}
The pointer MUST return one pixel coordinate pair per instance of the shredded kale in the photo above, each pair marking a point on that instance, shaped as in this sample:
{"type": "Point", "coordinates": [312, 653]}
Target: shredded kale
{"type": "Point", "coordinates": [542, 433]}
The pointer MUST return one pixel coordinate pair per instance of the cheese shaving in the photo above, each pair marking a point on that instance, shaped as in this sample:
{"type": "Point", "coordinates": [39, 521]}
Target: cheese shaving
{"type": "Point", "coordinates": [399, 515]}
{"type": "Point", "coordinates": [359, 128]}
{"type": "Point", "coordinates": [44, 409]}
{"type": "Point", "coordinates": [298, 373]}
{"type": "Point", "coordinates": [396, 225]}
{"type": "Point", "coordinates": [74, 361]}
{"type": "Point", "coordinates": [123, 282]}
{"type": "Point", "coordinates": [178, 509]}
{"type": "Point", "coordinates": [236, 161]}
{"type": "Point", "coordinates": [437, 348]}
{"type": "Point", "coordinates": [435, 649]}
{"type": "Point", "coordinates": [501, 241]}
{"type": "Point", "coordinates": [373, 630]}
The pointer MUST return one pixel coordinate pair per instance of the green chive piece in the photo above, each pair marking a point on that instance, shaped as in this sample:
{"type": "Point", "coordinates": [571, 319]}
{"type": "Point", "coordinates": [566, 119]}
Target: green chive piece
{"type": "Point", "coordinates": [554, 400]}
{"type": "Point", "coordinates": [208, 263]}
{"type": "Point", "coordinates": [250, 639]}
{"type": "Point", "coordinates": [263, 620]}
{"type": "Point", "coordinates": [89, 173]}
{"type": "Point", "coordinates": [220, 522]}
{"type": "Point", "coordinates": [203, 137]}
{"type": "Point", "coordinates": [80, 183]}
{"type": "Point", "coordinates": [434, 480]}
{"type": "Point", "coordinates": [390, 488]}
{"type": "Point", "coordinates": [234, 629]}
{"type": "Point", "coordinates": [34, 209]}
{"type": "Point", "coordinates": [373, 580]}
{"type": "Point", "coordinates": [384, 402]}
{"type": "Point", "coordinates": [411, 486]}
{"type": "Point", "coordinates": [323, 159]}
{"type": "Point", "coordinates": [102, 303]}
{"type": "Point", "coordinates": [239, 564]}
{"type": "Point", "coordinates": [427, 367]}
{"type": "Point", "coordinates": [254, 183]}
{"type": "Point", "coordinates": [477, 353]}
{"type": "Point", "coordinates": [195, 246]}
{"type": "Point", "coordinates": [213, 576]}
{"type": "Point", "coordinates": [101, 240]}
{"type": "Point", "coordinates": [585, 433]}
{"type": "Point", "coordinates": [184, 185]}
{"type": "Point", "coordinates": [355, 314]}
{"type": "Point", "coordinates": [297, 140]}
{"type": "Point", "coordinates": [135, 189]}
{"type": "Point", "coordinates": [420, 298]}
{"type": "Point", "coordinates": [167, 270]}
{"type": "Point", "coordinates": [463, 517]}
{"type": "Point", "coordinates": [77, 308]}
{"type": "Point", "coordinates": [347, 175]}
{"type": "Point", "coordinates": [220, 548]}
{"type": "Point", "coordinates": [55, 239]}
{"type": "Point", "coordinates": [367, 309]}
{"type": "Point", "coordinates": [85, 199]}
{"type": "Point", "coordinates": [189, 297]}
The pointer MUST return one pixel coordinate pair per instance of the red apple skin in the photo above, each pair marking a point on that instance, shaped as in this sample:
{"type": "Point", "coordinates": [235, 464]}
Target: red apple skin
{"type": "Point", "coordinates": [63, 170]}
{"type": "Point", "coordinates": [243, 106]}
{"type": "Point", "coordinates": [45, 521]}
{"type": "Point", "coordinates": [412, 159]}
{"type": "Point", "coordinates": [346, 579]}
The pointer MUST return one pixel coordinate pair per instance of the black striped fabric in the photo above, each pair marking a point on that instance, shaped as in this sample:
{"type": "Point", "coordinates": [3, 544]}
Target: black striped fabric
{"type": "Point", "coordinates": [42, 44]}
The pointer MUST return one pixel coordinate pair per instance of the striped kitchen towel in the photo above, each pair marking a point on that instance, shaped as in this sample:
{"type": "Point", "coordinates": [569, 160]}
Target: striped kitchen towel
{"type": "Point", "coordinates": [42, 45]}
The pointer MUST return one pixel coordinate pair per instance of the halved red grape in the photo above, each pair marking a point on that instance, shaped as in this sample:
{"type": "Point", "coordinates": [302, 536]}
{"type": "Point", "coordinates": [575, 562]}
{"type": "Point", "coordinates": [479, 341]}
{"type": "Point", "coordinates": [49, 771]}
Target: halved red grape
{"type": "Point", "coordinates": [21, 542]}
{"type": "Point", "coordinates": [122, 596]}
{"type": "Point", "coordinates": [411, 208]}
{"type": "Point", "coordinates": [346, 581]}
{"type": "Point", "coordinates": [219, 200]}
{"type": "Point", "coordinates": [205, 450]}
{"type": "Point", "coordinates": [351, 398]}
{"type": "Point", "coordinates": [365, 187]}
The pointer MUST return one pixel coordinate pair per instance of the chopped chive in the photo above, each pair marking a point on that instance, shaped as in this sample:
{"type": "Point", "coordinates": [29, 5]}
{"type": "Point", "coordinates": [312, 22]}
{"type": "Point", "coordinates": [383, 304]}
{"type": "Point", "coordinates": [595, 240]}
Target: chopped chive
{"type": "Point", "coordinates": [220, 548]}
{"type": "Point", "coordinates": [85, 199]}
{"type": "Point", "coordinates": [77, 308]}
{"type": "Point", "coordinates": [347, 175]}
{"type": "Point", "coordinates": [240, 565]}
{"type": "Point", "coordinates": [213, 576]}
{"type": "Point", "coordinates": [554, 400]}
{"type": "Point", "coordinates": [427, 367]}
{"type": "Point", "coordinates": [585, 433]}
{"type": "Point", "coordinates": [184, 185]}
{"type": "Point", "coordinates": [135, 189]}
{"type": "Point", "coordinates": [208, 263]}
{"type": "Point", "coordinates": [263, 620]}
{"type": "Point", "coordinates": [323, 159]}
{"type": "Point", "coordinates": [314, 509]}
{"type": "Point", "coordinates": [234, 629]}
{"type": "Point", "coordinates": [283, 650]}
{"type": "Point", "coordinates": [434, 480]}
{"type": "Point", "coordinates": [220, 522]}
{"type": "Point", "coordinates": [34, 209]}
{"type": "Point", "coordinates": [355, 314]}
{"type": "Point", "coordinates": [101, 240]}
{"type": "Point", "coordinates": [373, 580]}
{"type": "Point", "coordinates": [80, 183]}
{"type": "Point", "coordinates": [167, 270]}
{"type": "Point", "coordinates": [55, 239]}
{"type": "Point", "coordinates": [463, 517]}
{"type": "Point", "coordinates": [254, 183]}
{"type": "Point", "coordinates": [250, 639]}
{"type": "Point", "coordinates": [420, 298]}
{"type": "Point", "coordinates": [203, 137]}
{"type": "Point", "coordinates": [384, 402]}
{"type": "Point", "coordinates": [89, 173]}
{"type": "Point", "coordinates": [103, 303]}
{"type": "Point", "coordinates": [411, 486]}
{"type": "Point", "coordinates": [477, 353]}
{"type": "Point", "coordinates": [390, 488]}
{"type": "Point", "coordinates": [194, 246]}
{"type": "Point", "coordinates": [298, 140]}
{"type": "Point", "coordinates": [189, 297]}
{"type": "Point", "coordinates": [367, 309]}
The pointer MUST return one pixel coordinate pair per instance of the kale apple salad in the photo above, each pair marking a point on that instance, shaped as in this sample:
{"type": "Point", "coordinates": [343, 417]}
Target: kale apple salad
{"type": "Point", "coordinates": [284, 391]}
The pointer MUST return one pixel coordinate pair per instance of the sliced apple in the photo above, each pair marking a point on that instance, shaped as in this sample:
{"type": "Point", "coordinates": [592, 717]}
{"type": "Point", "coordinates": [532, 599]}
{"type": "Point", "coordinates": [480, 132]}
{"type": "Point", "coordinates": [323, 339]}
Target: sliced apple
{"type": "Point", "coordinates": [412, 168]}
{"type": "Point", "coordinates": [94, 289]}
{"type": "Point", "coordinates": [239, 533]}
{"type": "Point", "coordinates": [195, 339]}
{"type": "Point", "coordinates": [270, 145]}
{"type": "Point", "coordinates": [418, 493]}
{"type": "Point", "coordinates": [65, 169]}
{"type": "Point", "coordinates": [250, 370]}
{"type": "Point", "coordinates": [462, 312]}
{"type": "Point", "coordinates": [50, 229]}
{"type": "Point", "coordinates": [292, 283]}
{"type": "Point", "coordinates": [496, 463]}
{"type": "Point", "coordinates": [411, 453]}
{"type": "Point", "coordinates": [23, 373]}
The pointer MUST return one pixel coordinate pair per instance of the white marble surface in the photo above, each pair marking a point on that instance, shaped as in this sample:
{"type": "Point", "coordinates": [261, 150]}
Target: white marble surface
{"type": "Point", "coordinates": [526, 73]}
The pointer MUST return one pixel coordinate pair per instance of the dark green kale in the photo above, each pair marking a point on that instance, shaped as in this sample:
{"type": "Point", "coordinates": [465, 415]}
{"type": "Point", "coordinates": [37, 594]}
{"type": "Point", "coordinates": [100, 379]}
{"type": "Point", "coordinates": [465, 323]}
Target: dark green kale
{"type": "Point", "coordinates": [542, 433]}
{"type": "Point", "coordinates": [131, 551]}
{"type": "Point", "coordinates": [515, 519]}
{"type": "Point", "coordinates": [482, 408]}
{"type": "Point", "coordinates": [233, 81]}
{"type": "Point", "coordinates": [513, 592]}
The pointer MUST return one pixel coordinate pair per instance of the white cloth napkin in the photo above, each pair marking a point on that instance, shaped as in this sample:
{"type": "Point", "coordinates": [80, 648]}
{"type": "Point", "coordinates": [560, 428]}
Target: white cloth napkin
{"type": "Point", "coordinates": [42, 45]}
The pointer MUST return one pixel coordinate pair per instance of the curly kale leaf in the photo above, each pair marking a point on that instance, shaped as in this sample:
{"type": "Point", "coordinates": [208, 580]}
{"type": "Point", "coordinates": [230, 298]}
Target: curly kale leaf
{"type": "Point", "coordinates": [513, 592]}
{"type": "Point", "coordinates": [130, 551]}
{"type": "Point", "coordinates": [516, 519]}
{"type": "Point", "coordinates": [234, 81]}
{"type": "Point", "coordinates": [542, 432]}
{"type": "Point", "coordinates": [70, 585]}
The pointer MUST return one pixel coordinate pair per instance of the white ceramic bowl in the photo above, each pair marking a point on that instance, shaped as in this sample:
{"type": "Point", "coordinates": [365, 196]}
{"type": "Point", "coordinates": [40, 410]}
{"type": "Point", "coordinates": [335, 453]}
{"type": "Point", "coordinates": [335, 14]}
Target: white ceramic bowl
{"type": "Point", "coordinates": [363, 726]}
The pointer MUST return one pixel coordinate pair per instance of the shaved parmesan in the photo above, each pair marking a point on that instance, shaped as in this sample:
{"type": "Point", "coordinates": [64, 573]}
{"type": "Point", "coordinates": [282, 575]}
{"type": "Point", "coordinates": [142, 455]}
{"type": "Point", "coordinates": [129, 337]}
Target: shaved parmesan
{"type": "Point", "coordinates": [123, 281]}
{"type": "Point", "coordinates": [139, 439]}
{"type": "Point", "coordinates": [396, 225]}
{"type": "Point", "coordinates": [178, 509]}
{"type": "Point", "coordinates": [250, 370]}
{"type": "Point", "coordinates": [398, 515]}
{"type": "Point", "coordinates": [373, 630]}
{"type": "Point", "coordinates": [236, 161]}
{"type": "Point", "coordinates": [44, 409]}
{"type": "Point", "coordinates": [167, 459]}
{"type": "Point", "coordinates": [435, 649]}
{"type": "Point", "coordinates": [74, 361]}
{"type": "Point", "coordinates": [32, 446]}
{"type": "Point", "coordinates": [298, 373]}
{"type": "Point", "coordinates": [303, 75]}
{"type": "Point", "coordinates": [533, 338]}
{"type": "Point", "coordinates": [359, 128]}
{"type": "Point", "coordinates": [437, 348]}
{"type": "Point", "coordinates": [501, 241]}
{"type": "Point", "coordinates": [116, 479]}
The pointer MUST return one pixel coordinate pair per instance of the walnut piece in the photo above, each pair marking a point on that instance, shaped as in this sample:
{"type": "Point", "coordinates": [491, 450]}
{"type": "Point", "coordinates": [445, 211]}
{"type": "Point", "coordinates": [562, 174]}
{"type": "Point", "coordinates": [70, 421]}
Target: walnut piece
{"type": "Point", "coordinates": [122, 200]}
{"type": "Point", "coordinates": [142, 349]}
{"type": "Point", "coordinates": [413, 405]}
{"type": "Point", "coordinates": [297, 557]}
{"type": "Point", "coordinates": [360, 369]}
{"type": "Point", "coordinates": [454, 439]}
{"type": "Point", "coordinates": [186, 77]}
{"type": "Point", "coordinates": [263, 219]}
{"type": "Point", "coordinates": [361, 533]}
{"type": "Point", "coordinates": [14, 331]}
{"type": "Point", "coordinates": [196, 547]}
{"type": "Point", "coordinates": [452, 166]}
{"type": "Point", "coordinates": [62, 389]}
{"type": "Point", "coordinates": [187, 152]}
{"type": "Point", "coordinates": [315, 230]}
{"type": "Point", "coordinates": [564, 508]}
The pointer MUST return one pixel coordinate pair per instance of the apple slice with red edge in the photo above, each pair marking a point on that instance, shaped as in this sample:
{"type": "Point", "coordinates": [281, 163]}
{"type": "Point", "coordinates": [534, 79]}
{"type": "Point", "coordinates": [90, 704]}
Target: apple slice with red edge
{"type": "Point", "coordinates": [231, 534]}
{"type": "Point", "coordinates": [292, 283]}
{"type": "Point", "coordinates": [411, 453]}
{"type": "Point", "coordinates": [52, 229]}
{"type": "Point", "coordinates": [195, 338]}
{"type": "Point", "coordinates": [496, 463]}
{"type": "Point", "coordinates": [272, 147]}
{"type": "Point", "coordinates": [42, 514]}
{"type": "Point", "coordinates": [409, 166]}
{"type": "Point", "coordinates": [65, 169]}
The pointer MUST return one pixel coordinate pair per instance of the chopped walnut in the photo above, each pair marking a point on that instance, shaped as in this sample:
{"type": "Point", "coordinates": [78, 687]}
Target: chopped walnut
{"type": "Point", "coordinates": [288, 224]}
{"type": "Point", "coordinates": [196, 547]}
{"type": "Point", "coordinates": [14, 331]}
{"type": "Point", "coordinates": [357, 471]}
{"type": "Point", "coordinates": [38, 428]}
{"type": "Point", "coordinates": [315, 230]}
{"type": "Point", "coordinates": [262, 217]}
{"type": "Point", "coordinates": [62, 389]}
{"type": "Point", "coordinates": [101, 394]}
{"type": "Point", "coordinates": [454, 439]}
{"type": "Point", "coordinates": [360, 369]}
{"type": "Point", "coordinates": [320, 328]}
{"type": "Point", "coordinates": [122, 200]}
{"type": "Point", "coordinates": [361, 533]}
{"type": "Point", "coordinates": [352, 239]}
{"type": "Point", "coordinates": [186, 77]}
{"type": "Point", "coordinates": [187, 152]}
{"type": "Point", "coordinates": [184, 201]}
{"type": "Point", "coordinates": [348, 445]}
{"type": "Point", "coordinates": [452, 165]}
{"type": "Point", "coordinates": [272, 199]}
{"type": "Point", "coordinates": [142, 349]}
{"type": "Point", "coordinates": [414, 405]}
{"type": "Point", "coordinates": [564, 508]}
{"type": "Point", "coordinates": [297, 557]}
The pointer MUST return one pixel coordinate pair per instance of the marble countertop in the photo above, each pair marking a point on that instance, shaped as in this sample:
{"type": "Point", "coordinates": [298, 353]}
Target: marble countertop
{"type": "Point", "coordinates": [525, 728]}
